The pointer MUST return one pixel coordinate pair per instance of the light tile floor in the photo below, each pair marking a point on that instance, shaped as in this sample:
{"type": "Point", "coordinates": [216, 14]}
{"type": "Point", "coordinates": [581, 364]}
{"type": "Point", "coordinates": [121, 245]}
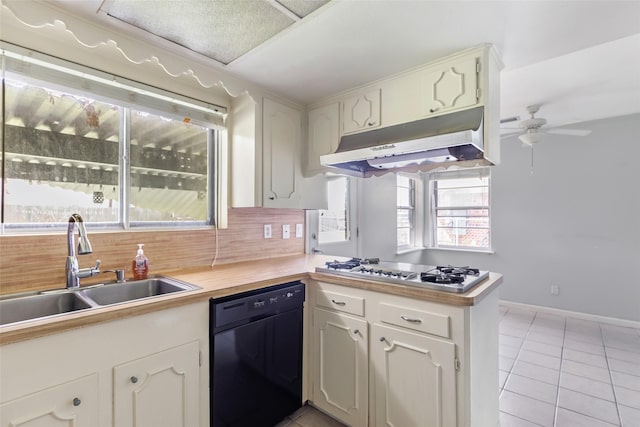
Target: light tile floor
{"type": "Point", "coordinates": [554, 371]}
{"type": "Point", "coordinates": [566, 372]}
{"type": "Point", "coordinates": [308, 416]}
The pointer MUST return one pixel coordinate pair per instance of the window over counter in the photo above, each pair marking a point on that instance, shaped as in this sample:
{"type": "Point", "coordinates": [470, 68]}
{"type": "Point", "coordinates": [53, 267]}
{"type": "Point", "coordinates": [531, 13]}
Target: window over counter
{"type": "Point", "coordinates": [409, 212]}
{"type": "Point", "coordinates": [119, 153]}
{"type": "Point", "coordinates": [460, 209]}
{"type": "Point", "coordinates": [334, 221]}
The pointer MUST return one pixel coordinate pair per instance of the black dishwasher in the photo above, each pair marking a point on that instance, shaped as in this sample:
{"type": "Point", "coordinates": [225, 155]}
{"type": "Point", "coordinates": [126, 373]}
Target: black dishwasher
{"type": "Point", "coordinates": [256, 356]}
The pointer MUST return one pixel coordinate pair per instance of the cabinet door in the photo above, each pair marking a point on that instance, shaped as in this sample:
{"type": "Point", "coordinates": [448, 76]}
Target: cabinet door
{"type": "Point", "coordinates": [361, 112]}
{"type": "Point", "coordinates": [414, 379]}
{"type": "Point", "coordinates": [324, 135]}
{"type": "Point", "coordinates": [450, 87]}
{"type": "Point", "coordinates": [281, 155]}
{"type": "Point", "coordinates": [158, 390]}
{"type": "Point", "coordinates": [341, 366]}
{"type": "Point", "coordinates": [70, 404]}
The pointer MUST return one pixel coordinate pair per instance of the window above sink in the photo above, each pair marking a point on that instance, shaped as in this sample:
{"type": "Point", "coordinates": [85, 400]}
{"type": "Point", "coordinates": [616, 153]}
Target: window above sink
{"type": "Point", "coordinates": [120, 153]}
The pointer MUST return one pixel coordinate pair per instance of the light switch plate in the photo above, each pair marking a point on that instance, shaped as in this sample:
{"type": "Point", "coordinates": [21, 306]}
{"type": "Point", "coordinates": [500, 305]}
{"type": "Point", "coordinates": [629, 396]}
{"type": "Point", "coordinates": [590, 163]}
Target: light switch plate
{"type": "Point", "coordinates": [286, 231]}
{"type": "Point", "coordinates": [267, 231]}
{"type": "Point", "coordinates": [299, 231]}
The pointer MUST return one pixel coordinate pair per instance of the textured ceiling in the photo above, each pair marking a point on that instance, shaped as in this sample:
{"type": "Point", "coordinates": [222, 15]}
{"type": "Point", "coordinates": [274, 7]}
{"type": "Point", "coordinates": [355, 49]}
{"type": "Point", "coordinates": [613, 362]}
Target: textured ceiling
{"type": "Point", "coordinates": [222, 30]}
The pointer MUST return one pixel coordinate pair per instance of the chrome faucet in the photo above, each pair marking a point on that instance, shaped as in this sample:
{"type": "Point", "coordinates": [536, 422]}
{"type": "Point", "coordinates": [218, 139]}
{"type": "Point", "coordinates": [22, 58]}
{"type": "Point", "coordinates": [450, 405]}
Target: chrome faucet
{"type": "Point", "coordinates": [74, 274]}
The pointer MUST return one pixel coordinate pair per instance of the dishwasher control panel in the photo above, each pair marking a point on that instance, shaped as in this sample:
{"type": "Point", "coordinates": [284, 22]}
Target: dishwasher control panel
{"type": "Point", "coordinates": [237, 309]}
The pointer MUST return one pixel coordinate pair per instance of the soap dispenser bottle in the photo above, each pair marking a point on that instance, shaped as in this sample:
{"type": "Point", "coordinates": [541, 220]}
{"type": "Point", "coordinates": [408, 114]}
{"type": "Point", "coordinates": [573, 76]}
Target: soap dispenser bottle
{"type": "Point", "coordinates": [140, 264]}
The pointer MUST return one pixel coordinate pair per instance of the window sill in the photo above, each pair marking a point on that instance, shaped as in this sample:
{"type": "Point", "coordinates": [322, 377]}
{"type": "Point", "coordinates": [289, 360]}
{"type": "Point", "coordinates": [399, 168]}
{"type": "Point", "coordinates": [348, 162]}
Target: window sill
{"type": "Point", "coordinates": [410, 250]}
{"type": "Point", "coordinates": [479, 251]}
{"type": "Point", "coordinates": [100, 228]}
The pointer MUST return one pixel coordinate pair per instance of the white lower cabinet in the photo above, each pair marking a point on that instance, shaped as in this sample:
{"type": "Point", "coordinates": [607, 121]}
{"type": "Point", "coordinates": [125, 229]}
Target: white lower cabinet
{"type": "Point", "coordinates": [429, 364]}
{"type": "Point", "coordinates": [414, 378]}
{"type": "Point", "coordinates": [158, 390]}
{"type": "Point", "coordinates": [341, 366]}
{"type": "Point", "coordinates": [74, 403]}
{"type": "Point", "coordinates": [141, 371]}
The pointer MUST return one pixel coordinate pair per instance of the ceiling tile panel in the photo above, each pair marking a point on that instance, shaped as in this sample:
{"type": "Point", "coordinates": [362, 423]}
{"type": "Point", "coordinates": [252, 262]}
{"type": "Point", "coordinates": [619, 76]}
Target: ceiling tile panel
{"type": "Point", "coordinates": [220, 29]}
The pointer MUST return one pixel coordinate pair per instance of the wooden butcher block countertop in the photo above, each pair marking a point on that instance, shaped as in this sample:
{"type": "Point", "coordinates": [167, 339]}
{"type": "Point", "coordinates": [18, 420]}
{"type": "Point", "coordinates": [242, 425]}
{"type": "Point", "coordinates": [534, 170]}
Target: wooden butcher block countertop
{"type": "Point", "coordinates": [228, 279]}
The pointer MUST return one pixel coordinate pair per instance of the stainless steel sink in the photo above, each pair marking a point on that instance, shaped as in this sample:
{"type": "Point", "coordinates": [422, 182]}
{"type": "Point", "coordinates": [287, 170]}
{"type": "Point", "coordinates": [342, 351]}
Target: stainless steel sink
{"type": "Point", "coordinates": [135, 290]}
{"type": "Point", "coordinates": [38, 306]}
{"type": "Point", "coordinates": [22, 307]}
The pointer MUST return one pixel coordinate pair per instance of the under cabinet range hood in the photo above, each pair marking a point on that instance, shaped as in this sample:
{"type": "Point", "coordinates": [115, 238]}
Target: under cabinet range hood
{"type": "Point", "coordinates": [415, 146]}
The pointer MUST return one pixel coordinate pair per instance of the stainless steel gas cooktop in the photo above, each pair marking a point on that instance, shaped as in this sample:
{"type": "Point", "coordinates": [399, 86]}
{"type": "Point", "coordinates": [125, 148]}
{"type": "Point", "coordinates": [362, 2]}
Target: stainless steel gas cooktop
{"type": "Point", "coordinates": [443, 278]}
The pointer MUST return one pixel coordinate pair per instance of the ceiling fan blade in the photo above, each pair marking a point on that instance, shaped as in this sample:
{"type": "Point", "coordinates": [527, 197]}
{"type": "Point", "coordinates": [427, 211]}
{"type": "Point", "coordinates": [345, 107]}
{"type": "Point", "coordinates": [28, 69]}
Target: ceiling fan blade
{"type": "Point", "coordinates": [570, 132]}
{"type": "Point", "coordinates": [510, 119]}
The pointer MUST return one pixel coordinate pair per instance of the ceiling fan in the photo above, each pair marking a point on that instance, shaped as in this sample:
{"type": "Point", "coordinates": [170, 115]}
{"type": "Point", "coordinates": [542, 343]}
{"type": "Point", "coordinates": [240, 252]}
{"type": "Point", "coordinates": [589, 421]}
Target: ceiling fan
{"type": "Point", "coordinates": [531, 130]}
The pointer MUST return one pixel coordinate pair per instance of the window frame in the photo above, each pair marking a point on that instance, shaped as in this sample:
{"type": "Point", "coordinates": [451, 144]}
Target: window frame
{"type": "Point", "coordinates": [347, 248]}
{"type": "Point", "coordinates": [410, 208]}
{"type": "Point", "coordinates": [433, 178]}
{"type": "Point", "coordinates": [416, 218]}
{"type": "Point", "coordinates": [67, 77]}
{"type": "Point", "coordinates": [347, 219]}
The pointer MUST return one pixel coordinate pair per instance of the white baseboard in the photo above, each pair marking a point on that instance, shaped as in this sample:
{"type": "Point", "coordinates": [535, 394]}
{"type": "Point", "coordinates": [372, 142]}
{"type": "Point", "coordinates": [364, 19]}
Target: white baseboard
{"type": "Point", "coordinates": [575, 314]}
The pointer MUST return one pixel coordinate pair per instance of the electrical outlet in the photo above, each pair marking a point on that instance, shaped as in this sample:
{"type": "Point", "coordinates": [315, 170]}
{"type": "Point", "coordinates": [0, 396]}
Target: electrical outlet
{"type": "Point", "coordinates": [286, 231]}
{"type": "Point", "coordinates": [555, 290]}
{"type": "Point", "coordinates": [299, 231]}
{"type": "Point", "coordinates": [267, 231]}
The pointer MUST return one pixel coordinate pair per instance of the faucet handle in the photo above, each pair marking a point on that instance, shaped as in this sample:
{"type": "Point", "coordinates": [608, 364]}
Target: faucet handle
{"type": "Point", "coordinates": [119, 275]}
{"type": "Point", "coordinates": [90, 271]}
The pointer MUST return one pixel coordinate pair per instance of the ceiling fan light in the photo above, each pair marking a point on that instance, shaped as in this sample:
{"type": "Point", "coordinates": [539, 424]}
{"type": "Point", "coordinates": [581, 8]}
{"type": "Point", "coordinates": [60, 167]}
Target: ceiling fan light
{"type": "Point", "coordinates": [531, 138]}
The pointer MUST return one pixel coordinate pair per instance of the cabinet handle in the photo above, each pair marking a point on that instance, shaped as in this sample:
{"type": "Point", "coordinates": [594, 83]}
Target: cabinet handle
{"type": "Point", "coordinates": [357, 332]}
{"type": "Point", "coordinates": [338, 302]}
{"type": "Point", "coordinates": [411, 319]}
{"type": "Point", "coordinates": [433, 110]}
{"type": "Point", "coordinates": [272, 198]}
{"type": "Point", "coordinates": [134, 379]}
{"type": "Point", "coordinates": [383, 339]}
{"type": "Point", "coordinates": [76, 401]}
{"type": "Point", "coordinates": [371, 124]}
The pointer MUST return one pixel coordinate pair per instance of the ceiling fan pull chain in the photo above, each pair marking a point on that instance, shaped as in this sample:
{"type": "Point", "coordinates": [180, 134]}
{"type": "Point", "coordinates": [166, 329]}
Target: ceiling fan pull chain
{"type": "Point", "coordinates": [531, 159]}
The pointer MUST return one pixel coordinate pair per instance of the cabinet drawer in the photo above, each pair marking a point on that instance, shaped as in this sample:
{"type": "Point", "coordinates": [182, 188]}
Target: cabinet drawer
{"type": "Point", "coordinates": [341, 302]}
{"type": "Point", "coordinates": [419, 320]}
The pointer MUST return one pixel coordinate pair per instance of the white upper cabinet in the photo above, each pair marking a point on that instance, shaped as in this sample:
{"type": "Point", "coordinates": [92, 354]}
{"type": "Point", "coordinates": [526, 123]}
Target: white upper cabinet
{"type": "Point", "coordinates": [281, 155]}
{"type": "Point", "coordinates": [323, 136]}
{"type": "Point", "coordinates": [466, 79]}
{"type": "Point", "coordinates": [361, 112]}
{"type": "Point", "coordinates": [266, 157]}
{"type": "Point", "coordinates": [450, 86]}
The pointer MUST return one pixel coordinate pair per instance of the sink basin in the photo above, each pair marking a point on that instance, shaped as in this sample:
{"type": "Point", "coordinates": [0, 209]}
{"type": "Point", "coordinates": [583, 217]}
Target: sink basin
{"type": "Point", "coordinates": [135, 290]}
{"type": "Point", "coordinates": [36, 306]}
{"type": "Point", "coordinates": [23, 307]}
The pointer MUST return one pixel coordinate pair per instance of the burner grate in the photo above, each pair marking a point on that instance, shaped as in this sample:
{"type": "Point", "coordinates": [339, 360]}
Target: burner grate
{"type": "Point", "coordinates": [448, 274]}
{"type": "Point", "coordinates": [449, 269]}
{"type": "Point", "coordinates": [351, 264]}
{"type": "Point", "coordinates": [445, 278]}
